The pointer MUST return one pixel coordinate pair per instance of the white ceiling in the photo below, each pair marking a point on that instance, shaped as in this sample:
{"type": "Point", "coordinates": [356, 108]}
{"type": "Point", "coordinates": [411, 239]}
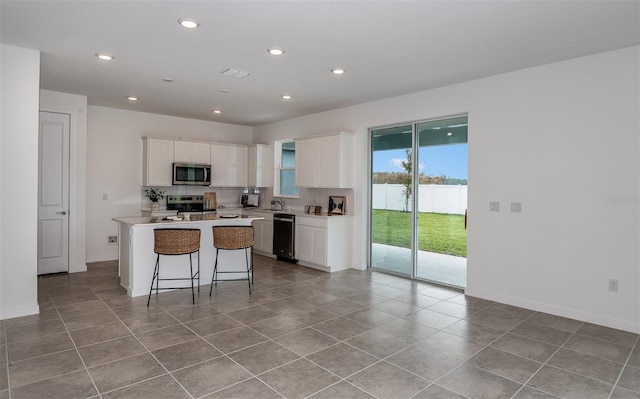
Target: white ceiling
{"type": "Point", "coordinates": [388, 48]}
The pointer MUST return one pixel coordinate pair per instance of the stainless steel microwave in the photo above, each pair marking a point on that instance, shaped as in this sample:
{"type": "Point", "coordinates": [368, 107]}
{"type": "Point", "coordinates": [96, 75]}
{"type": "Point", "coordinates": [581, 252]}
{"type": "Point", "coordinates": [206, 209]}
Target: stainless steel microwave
{"type": "Point", "coordinates": [191, 174]}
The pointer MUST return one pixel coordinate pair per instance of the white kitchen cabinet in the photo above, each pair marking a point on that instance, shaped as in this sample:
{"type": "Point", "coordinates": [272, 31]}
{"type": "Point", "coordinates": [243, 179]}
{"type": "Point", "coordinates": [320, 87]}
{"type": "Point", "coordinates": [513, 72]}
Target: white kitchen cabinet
{"type": "Point", "coordinates": [312, 244]}
{"type": "Point", "coordinates": [262, 232]}
{"type": "Point", "coordinates": [260, 172]}
{"type": "Point", "coordinates": [229, 165]}
{"type": "Point", "coordinates": [191, 152]}
{"type": "Point", "coordinates": [325, 161]}
{"type": "Point", "coordinates": [157, 159]}
{"type": "Point", "coordinates": [307, 163]}
{"type": "Point", "coordinates": [323, 242]}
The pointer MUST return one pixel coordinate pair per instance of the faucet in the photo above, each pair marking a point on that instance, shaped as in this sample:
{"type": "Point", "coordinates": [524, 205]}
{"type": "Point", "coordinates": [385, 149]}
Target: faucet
{"type": "Point", "coordinates": [278, 201]}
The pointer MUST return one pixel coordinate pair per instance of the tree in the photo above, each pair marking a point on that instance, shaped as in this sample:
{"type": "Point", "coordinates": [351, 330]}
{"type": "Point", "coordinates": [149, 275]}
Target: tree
{"type": "Point", "coordinates": [407, 165]}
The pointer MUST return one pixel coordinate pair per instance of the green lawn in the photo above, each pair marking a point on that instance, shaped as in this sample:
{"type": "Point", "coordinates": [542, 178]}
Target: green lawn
{"type": "Point", "coordinates": [437, 232]}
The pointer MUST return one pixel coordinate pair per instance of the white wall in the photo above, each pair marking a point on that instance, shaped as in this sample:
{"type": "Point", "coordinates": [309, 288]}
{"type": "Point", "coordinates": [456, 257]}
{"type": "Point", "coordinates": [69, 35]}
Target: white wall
{"type": "Point", "coordinates": [19, 85]}
{"type": "Point", "coordinates": [114, 164]}
{"type": "Point", "coordinates": [560, 138]}
{"type": "Point", "coordinates": [76, 107]}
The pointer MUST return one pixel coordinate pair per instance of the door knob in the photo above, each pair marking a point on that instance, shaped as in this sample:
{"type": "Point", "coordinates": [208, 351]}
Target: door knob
{"type": "Point", "coordinates": [61, 213]}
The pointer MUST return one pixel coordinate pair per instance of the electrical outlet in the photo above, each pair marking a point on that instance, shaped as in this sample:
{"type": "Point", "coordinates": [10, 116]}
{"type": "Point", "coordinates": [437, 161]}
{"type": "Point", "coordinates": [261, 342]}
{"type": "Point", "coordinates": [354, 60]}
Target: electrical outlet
{"type": "Point", "coordinates": [516, 207]}
{"type": "Point", "coordinates": [105, 196]}
{"type": "Point", "coordinates": [613, 285]}
{"type": "Point", "coordinates": [494, 206]}
{"type": "Point", "coordinates": [112, 240]}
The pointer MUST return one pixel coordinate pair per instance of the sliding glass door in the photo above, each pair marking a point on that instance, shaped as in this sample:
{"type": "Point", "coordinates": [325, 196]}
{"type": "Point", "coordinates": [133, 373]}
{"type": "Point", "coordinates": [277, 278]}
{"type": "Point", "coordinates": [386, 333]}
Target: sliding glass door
{"type": "Point", "coordinates": [391, 199]}
{"type": "Point", "coordinates": [419, 200]}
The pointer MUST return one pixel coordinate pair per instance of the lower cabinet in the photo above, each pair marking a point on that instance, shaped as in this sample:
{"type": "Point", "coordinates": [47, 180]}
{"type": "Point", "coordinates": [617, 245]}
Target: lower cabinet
{"type": "Point", "coordinates": [263, 236]}
{"type": "Point", "coordinates": [312, 244]}
{"type": "Point", "coordinates": [262, 233]}
{"type": "Point", "coordinates": [324, 242]}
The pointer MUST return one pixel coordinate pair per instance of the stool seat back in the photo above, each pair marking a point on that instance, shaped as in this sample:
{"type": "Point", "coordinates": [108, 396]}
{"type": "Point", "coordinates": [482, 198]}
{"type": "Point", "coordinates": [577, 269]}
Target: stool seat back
{"type": "Point", "coordinates": [176, 241]}
{"type": "Point", "coordinates": [232, 237]}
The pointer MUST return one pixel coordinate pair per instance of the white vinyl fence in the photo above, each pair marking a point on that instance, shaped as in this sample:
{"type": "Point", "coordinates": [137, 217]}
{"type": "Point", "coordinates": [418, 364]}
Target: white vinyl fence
{"type": "Point", "coordinates": [435, 198]}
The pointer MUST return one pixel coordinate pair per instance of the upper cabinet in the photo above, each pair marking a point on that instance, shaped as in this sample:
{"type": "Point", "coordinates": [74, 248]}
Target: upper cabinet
{"type": "Point", "coordinates": [260, 166]}
{"type": "Point", "coordinates": [157, 158]}
{"type": "Point", "coordinates": [324, 161]}
{"type": "Point", "coordinates": [191, 152]}
{"type": "Point", "coordinates": [229, 165]}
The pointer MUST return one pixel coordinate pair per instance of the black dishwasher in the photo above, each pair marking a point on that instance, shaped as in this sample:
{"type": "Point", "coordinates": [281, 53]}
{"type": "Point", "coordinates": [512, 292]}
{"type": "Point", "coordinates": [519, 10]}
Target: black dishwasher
{"type": "Point", "coordinates": [284, 235]}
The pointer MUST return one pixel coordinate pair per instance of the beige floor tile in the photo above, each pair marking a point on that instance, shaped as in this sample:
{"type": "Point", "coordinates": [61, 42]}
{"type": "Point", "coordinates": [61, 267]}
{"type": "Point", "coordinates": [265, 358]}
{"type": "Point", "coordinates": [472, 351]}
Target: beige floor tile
{"type": "Point", "coordinates": [235, 339]}
{"type": "Point", "coordinates": [408, 332]}
{"type": "Point", "coordinates": [477, 383]}
{"type": "Point", "coordinates": [343, 360]}
{"type": "Point", "coordinates": [211, 376]}
{"type": "Point", "coordinates": [305, 342]}
{"type": "Point", "coordinates": [299, 379]}
{"type": "Point", "coordinates": [251, 388]}
{"type": "Point", "coordinates": [123, 372]}
{"type": "Point", "coordinates": [384, 380]}
{"type": "Point", "coordinates": [108, 351]}
{"type": "Point", "coordinates": [263, 357]}
{"type": "Point", "coordinates": [44, 367]}
{"type": "Point", "coordinates": [505, 364]}
{"type": "Point", "coordinates": [342, 390]}
{"type": "Point", "coordinates": [186, 354]}
{"type": "Point", "coordinates": [569, 385]}
{"type": "Point", "coordinates": [163, 387]}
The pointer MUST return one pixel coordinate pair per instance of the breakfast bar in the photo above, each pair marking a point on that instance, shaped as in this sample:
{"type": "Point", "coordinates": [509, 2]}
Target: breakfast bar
{"type": "Point", "coordinates": [137, 258]}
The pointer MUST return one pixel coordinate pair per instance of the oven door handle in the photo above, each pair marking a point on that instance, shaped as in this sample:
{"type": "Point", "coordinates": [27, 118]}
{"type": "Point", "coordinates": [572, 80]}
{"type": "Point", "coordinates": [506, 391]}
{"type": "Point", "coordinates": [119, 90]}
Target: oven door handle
{"type": "Point", "coordinates": [283, 220]}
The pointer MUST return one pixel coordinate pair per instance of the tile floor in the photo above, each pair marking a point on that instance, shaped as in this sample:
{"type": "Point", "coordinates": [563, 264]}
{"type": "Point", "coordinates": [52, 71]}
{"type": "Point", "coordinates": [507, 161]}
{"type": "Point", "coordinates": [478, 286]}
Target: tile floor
{"type": "Point", "coordinates": [303, 333]}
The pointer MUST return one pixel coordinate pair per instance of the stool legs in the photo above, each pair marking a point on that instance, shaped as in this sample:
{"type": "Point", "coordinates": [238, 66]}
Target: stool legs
{"type": "Point", "coordinates": [249, 267]}
{"type": "Point", "coordinates": [249, 262]}
{"type": "Point", "coordinates": [192, 276]}
{"type": "Point", "coordinates": [155, 275]}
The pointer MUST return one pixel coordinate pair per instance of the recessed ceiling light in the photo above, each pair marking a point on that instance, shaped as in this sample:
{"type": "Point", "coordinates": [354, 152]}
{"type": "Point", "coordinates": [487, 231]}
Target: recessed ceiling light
{"type": "Point", "coordinates": [168, 80]}
{"type": "Point", "coordinates": [275, 51]}
{"type": "Point", "coordinates": [132, 98]}
{"type": "Point", "coordinates": [217, 111]}
{"type": "Point", "coordinates": [225, 91]}
{"type": "Point", "coordinates": [188, 23]}
{"type": "Point", "coordinates": [449, 134]}
{"type": "Point", "coordinates": [286, 97]}
{"type": "Point", "coordinates": [104, 56]}
{"type": "Point", "coordinates": [337, 71]}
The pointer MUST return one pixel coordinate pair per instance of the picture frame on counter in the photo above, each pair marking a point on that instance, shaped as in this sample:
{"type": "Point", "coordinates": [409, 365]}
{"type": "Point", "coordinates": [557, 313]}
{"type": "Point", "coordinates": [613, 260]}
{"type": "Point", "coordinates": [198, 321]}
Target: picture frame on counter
{"type": "Point", "coordinates": [337, 205]}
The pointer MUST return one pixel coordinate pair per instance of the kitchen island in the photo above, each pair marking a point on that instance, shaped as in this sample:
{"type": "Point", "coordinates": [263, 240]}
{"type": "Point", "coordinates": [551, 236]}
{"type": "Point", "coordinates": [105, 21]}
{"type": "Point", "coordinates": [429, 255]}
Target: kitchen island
{"type": "Point", "coordinates": [137, 259]}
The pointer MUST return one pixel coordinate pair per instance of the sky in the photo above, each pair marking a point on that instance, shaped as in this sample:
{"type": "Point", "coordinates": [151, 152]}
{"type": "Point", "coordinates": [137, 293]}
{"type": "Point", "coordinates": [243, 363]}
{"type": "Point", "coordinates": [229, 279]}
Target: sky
{"type": "Point", "coordinates": [450, 160]}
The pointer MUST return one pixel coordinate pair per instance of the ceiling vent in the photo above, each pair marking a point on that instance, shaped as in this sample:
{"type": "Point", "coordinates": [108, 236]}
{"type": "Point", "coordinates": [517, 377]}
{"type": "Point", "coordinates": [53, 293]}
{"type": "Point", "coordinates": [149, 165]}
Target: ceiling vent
{"type": "Point", "coordinates": [235, 73]}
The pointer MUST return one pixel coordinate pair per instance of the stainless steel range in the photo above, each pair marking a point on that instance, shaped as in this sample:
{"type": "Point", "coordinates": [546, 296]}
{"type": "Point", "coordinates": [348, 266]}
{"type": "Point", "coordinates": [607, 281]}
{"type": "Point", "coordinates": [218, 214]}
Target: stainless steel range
{"type": "Point", "coordinates": [187, 203]}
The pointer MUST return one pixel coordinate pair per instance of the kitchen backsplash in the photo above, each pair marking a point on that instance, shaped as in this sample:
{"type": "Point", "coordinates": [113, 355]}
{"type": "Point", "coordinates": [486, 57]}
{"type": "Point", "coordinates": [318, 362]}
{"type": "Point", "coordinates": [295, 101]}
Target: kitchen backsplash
{"type": "Point", "coordinates": [229, 197]}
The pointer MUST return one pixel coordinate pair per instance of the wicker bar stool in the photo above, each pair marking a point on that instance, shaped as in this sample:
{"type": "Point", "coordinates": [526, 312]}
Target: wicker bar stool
{"type": "Point", "coordinates": [176, 242]}
{"type": "Point", "coordinates": [231, 238]}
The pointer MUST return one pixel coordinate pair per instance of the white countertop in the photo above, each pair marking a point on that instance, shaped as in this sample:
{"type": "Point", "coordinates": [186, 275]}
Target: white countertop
{"type": "Point", "coordinates": [195, 219]}
{"type": "Point", "coordinates": [292, 212]}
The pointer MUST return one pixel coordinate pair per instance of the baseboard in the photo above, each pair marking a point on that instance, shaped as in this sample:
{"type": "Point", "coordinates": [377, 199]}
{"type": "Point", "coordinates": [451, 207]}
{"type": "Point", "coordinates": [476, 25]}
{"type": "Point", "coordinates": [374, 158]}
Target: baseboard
{"type": "Point", "coordinates": [598, 319]}
{"type": "Point", "coordinates": [78, 268]}
{"type": "Point", "coordinates": [92, 259]}
{"type": "Point", "coordinates": [314, 266]}
{"type": "Point", "coordinates": [19, 312]}
{"type": "Point", "coordinates": [268, 255]}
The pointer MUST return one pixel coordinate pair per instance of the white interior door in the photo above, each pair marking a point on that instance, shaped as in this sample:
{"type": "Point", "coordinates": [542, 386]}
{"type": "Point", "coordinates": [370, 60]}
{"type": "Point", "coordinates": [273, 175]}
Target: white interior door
{"type": "Point", "coordinates": [53, 198]}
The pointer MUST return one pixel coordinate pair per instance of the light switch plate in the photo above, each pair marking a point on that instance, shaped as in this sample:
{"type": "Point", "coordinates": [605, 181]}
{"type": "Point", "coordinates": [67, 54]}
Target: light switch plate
{"type": "Point", "coordinates": [516, 207]}
{"type": "Point", "coordinates": [494, 206]}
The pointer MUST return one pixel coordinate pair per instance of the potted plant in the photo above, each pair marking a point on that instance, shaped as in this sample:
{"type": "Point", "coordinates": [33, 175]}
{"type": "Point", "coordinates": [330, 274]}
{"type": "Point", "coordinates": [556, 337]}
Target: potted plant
{"type": "Point", "coordinates": [154, 195]}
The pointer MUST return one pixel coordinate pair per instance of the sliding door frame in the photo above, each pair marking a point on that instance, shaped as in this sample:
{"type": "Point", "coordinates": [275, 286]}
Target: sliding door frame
{"type": "Point", "coordinates": [414, 187]}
